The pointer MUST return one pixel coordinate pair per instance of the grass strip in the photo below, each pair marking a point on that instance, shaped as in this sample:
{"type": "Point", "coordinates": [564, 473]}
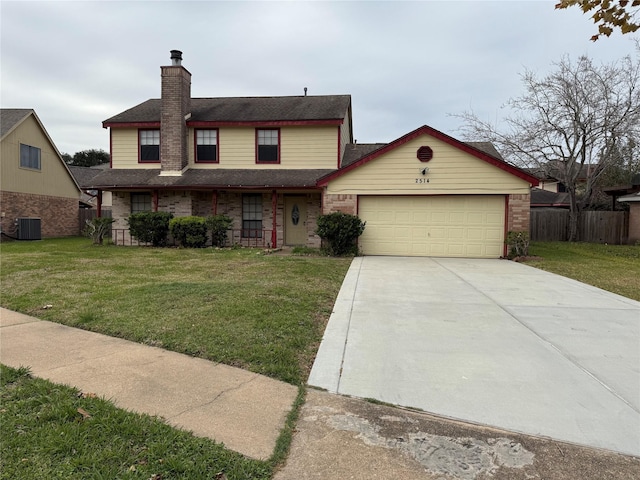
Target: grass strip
{"type": "Point", "coordinates": [53, 431]}
{"type": "Point", "coordinates": [615, 268]}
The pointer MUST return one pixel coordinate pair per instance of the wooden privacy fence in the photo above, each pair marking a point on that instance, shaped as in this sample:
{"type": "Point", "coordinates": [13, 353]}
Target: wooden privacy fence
{"type": "Point", "coordinates": [85, 214]}
{"type": "Point", "coordinates": [552, 224]}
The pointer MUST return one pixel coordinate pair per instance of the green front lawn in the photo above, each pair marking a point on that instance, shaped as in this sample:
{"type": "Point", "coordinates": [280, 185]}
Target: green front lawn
{"type": "Point", "coordinates": [615, 268]}
{"type": "Point", "coordinates": [264, 313]}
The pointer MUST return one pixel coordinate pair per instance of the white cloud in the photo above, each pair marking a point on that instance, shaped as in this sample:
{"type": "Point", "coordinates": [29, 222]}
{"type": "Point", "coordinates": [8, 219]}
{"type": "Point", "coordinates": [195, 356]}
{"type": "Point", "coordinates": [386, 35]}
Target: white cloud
{"type": "Point", "coordinates": [405, 63]}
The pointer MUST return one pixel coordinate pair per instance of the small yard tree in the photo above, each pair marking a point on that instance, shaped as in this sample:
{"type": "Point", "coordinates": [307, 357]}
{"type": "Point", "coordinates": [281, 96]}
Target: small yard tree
{"type": "Point", "coordinates": [572, 124]}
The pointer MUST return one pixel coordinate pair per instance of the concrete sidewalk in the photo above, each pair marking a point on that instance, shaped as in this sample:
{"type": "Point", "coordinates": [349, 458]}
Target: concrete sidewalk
{"type": "Point", "coordinates": [243, 410]}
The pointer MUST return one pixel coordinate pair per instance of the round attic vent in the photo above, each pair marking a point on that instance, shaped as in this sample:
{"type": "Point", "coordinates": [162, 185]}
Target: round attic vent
{"type": "Point", "coordinates": [425, 154]}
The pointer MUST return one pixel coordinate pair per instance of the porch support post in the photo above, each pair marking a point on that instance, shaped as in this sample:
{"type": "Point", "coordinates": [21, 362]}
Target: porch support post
{"type": "Point", "coordinates": [214, 203]}
{"type": "Point", "coordinates": [274, 207]}
{"type": "Point", "coordinates": [99, 206]}
{"type": "Point", "coordinates": [155, 200]}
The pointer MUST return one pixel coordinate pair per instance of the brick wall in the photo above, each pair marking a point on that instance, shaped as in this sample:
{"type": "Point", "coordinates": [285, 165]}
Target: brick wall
{"type": "Point", "coordinates": [340, 203]}
{"type": "Point", "coordinates": [59, 215]}
{"type": "Point", "coordinates": [176, 99]}
{"type": "Point", "coordinates": [634, 222]}
{"type": "Point", "coordinates": [519, 213]}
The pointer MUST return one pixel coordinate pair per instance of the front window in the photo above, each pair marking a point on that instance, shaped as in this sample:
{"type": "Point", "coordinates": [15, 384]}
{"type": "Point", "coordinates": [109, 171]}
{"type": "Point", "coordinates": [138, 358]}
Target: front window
{"type": "Point", "coordinates": [207, 146]}
{"type": "Point", "coordinates": [252, 216]}
{"type": "Point", "coordinates": [268, 146]}
{"type": "Point", "coordinates": [30, 157]}
{"type": "Point", "coordinates": [140, 202]}
{"type": "Point", "coordinates": [149, 145]}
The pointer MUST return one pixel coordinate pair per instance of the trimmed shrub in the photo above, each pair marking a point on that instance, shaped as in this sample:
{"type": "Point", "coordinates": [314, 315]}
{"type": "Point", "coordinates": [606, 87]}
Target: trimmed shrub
{"type": "Point", "coordinates": [150, 227]}
{"type": "Point", "coordinates": [340, 232]}
{"type": "Point", "coordinates": [517, 244]}
{"type": "Point", "coordinates": [219, 224]}
{"type": "Point", "coordinates": [97, 228]}
{"type": "Point", "coordinates": [190, 232]}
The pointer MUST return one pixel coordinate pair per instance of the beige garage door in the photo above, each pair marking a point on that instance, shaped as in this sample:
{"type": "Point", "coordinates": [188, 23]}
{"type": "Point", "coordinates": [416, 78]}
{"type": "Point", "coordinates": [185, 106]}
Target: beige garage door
{"type": "Point", "coordinates": [438, 226]}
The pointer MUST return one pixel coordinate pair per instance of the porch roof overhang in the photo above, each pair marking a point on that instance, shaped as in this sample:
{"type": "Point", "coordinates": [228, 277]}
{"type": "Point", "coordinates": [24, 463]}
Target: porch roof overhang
{"type": "Point", "coordinates": [201, 179]}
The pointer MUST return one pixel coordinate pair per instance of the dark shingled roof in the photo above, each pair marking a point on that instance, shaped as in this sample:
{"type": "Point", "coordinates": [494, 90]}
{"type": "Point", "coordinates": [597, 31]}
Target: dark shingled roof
{"type": "Point", "coordinates": [355, 151]}
{"type": "Point", "coordinates": [543, 198]}
{"type": "Point", "coordinates": [209, 178]}
{"type": "Point", "coordinates": [486, 147]}
{"type": "Point", "coordinates": [10, 117]}
{"type": "Point", "coordinates": [246, 109]}
{"type": "Point", "coordinates": [83, 175]}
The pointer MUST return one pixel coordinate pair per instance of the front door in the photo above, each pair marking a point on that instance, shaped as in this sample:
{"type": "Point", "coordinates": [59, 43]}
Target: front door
{"type": "Point", "coordinates": [295, 212]}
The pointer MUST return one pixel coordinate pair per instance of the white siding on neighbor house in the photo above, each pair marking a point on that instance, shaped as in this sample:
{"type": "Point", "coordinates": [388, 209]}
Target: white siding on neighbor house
{"type": "Point", "coordinates": [451, 171]}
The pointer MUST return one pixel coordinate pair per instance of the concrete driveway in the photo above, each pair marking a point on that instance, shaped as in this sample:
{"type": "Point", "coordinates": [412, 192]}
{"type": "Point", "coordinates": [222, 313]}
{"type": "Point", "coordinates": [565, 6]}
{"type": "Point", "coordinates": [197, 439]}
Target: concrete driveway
{"type": "Point", "coordinates": [491, 342]}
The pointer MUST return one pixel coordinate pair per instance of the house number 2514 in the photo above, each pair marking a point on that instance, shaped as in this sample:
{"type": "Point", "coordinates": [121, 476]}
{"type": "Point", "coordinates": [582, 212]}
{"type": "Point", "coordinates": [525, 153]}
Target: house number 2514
{"type": "Point", "coordinates": [422, 180]}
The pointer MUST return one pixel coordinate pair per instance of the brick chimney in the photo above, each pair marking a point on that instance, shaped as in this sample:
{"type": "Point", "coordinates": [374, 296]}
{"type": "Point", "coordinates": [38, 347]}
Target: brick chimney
{"type": "Point", "coordinates": [176, 105]}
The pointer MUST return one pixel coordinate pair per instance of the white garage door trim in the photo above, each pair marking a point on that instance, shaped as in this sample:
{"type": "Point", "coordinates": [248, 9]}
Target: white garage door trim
{"type": "Point", "coordinates": [433, 226]}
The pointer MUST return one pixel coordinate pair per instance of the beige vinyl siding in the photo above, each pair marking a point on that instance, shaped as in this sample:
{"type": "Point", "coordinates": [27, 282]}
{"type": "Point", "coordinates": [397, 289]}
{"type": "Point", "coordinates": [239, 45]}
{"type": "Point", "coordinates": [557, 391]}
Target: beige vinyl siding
{"type": "Point", "coordinates": [124, 149]}
{"type": "Point", "coordinates": [451, 171]}
{"type": "Point", "coordinates": [300, 147]}
{"type": "Point", "coordinates": [441, 226]}
{"type": "Point", "coordinates": [52, 179]}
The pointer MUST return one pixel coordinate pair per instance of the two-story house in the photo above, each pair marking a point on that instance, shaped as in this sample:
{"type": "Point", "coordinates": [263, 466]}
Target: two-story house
{"type": "Point", "coordinates": [274, 164]}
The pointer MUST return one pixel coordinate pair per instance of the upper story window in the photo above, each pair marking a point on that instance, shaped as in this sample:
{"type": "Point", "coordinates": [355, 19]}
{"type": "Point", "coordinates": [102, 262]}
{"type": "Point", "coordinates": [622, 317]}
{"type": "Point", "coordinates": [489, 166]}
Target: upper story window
{"type": "Point", "coordinates": [149, 145]}
{"type": "Point", "coordinates": [268, 146]}
{"type": "Point", "coordinates": [207, 146]}
{"type": "Point", "coordinates": [30, 157]}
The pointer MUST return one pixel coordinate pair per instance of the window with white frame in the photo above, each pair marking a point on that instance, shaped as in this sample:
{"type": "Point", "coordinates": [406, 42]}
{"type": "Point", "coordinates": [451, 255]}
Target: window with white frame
{"type": "Point", "coordinates": [149, 145]}
{"type": "Point", "coordinates": [252, 215]}
{"type": "Point", "coordinates": [268, 146]}
{"type": "Point", "coordinates": [30, 157]}
{"type": "Point", "coordinates": [140, 202]}
{"type": "Point", "coordinates": [207, 146]}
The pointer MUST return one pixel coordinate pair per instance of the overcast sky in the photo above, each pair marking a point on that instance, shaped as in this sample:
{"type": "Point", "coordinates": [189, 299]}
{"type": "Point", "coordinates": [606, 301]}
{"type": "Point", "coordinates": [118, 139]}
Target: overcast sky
{"type": "Point", "coordinates": [406, 64]}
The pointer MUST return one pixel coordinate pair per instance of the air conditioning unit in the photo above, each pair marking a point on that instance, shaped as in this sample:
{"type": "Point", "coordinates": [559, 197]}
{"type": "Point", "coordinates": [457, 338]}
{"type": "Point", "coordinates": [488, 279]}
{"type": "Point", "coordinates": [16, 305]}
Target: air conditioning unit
{"type": "Point", "coordinates": [29, 229]}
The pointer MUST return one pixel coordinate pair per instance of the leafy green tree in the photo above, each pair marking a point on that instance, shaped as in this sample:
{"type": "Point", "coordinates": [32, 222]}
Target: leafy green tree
{"type": "Point", "coordinates": [87, 158]}
{"type": "Point", "coordinates": [608, 14]}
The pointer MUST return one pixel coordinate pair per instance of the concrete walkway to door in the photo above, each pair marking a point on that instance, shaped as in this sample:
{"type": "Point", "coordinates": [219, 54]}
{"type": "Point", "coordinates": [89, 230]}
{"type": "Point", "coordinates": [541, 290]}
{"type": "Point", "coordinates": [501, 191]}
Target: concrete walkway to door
{"type": "Point", "coordinates": [488, 341]}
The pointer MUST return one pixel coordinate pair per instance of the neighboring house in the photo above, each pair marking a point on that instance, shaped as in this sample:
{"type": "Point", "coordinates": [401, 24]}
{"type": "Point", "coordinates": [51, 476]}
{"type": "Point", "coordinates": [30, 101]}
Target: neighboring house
{"type": "Point", "coordinates": [274, 164]}
{"type": "Point", "coordinates": [84, 177]}
{"type": "Point", "coordinates": [548, 199]}
{"type": "Point", "coordinates": [35, 182]}
{"type": "Point", "coordinates": [633, 200]}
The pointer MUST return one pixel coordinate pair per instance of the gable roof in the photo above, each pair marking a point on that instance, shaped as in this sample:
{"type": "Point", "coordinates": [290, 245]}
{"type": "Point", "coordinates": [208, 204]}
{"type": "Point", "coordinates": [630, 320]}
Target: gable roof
{"type": "Point", "coordinates": [10, 118]}
{"type": "Point", "coordinates": [475, 149]}
{"type": "Point", "coordinates": [83, 175]}
{"type": "Point", "coordinates": [355, 151]}
{"type": "Point", "coordinates": [330, 109]}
